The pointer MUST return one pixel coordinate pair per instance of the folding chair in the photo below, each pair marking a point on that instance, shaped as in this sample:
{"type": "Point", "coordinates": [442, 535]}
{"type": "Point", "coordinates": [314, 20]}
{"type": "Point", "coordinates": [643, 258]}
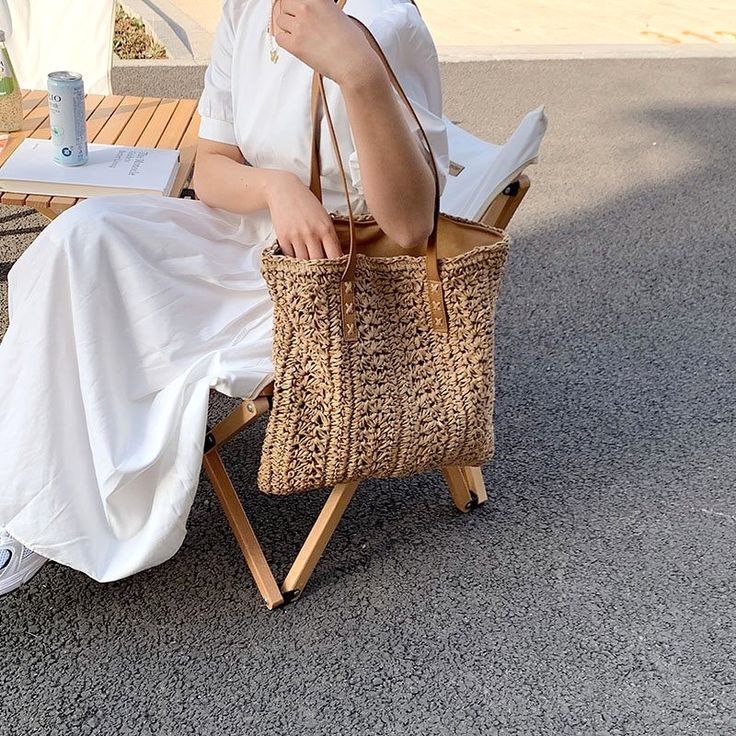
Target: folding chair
{"type": "Point", "coordinates": [480, 171]}
{"type": "Point", "coordinates": [482, 176]}
{"type": "Point", "coordinates": [48, 35]}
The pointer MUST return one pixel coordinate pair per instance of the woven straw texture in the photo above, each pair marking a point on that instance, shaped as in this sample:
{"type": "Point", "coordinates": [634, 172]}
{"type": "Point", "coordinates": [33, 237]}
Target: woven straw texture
{"type": "Point", "coordinates": [402, 399]}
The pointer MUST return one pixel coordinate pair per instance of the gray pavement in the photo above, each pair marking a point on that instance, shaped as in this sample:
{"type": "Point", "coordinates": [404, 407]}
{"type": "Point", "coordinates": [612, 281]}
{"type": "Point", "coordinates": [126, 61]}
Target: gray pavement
{"type": "Point", "coordinates": [595, 592]}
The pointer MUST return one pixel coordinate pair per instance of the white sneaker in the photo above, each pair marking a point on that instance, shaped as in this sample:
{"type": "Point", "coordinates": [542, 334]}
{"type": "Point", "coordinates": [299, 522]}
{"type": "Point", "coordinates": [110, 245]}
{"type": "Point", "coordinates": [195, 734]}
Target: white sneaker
{"type": "Point", "coordinates": [18, 564]}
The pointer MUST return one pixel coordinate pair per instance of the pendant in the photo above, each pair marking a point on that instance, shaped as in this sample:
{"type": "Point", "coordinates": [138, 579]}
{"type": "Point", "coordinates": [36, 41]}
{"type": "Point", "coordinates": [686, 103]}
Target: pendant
{"type": "Point", "coordinates": [272, 45]}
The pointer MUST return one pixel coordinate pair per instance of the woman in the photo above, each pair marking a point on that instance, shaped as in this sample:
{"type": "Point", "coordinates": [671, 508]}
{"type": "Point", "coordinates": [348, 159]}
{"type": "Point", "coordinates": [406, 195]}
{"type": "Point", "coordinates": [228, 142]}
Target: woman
{"type": "Point", "coordinates": [126, 311]}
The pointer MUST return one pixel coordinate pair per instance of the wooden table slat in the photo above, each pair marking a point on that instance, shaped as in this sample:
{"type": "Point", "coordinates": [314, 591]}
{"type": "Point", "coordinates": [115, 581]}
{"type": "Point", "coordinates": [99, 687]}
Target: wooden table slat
{"type": "Point", "coordinates": [59, 204]}
{"type": "Point", "coordinates": [96, 121]}
{"type": "Point", "coordinates": [118, 120]}
{"type": "Point", "coordinates": [38, 201]}
{"type": "Point", "coordinates": [137, 123]}
{"type": "Point", "coordinates": [13, 198]}
{"type": "Point", "coordinates": [152, 134]}
{"type": "Point", "coordinates": [32, 99]}
{"type": "Point", "coordinates": [178, 124]}
{"type": "Point", "coordinates": [91, 103]}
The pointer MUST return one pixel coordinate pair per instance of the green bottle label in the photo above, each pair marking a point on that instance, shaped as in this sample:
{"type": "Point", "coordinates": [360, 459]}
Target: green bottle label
{"type": "Point", "coordinates": [7, 75]}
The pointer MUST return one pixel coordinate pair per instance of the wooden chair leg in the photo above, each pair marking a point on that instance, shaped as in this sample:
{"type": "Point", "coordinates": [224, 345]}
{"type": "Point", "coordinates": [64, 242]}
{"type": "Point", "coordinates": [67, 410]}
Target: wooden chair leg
{"type": "Point", "coordinates": [466, 484]}
{"type": "Point", "coordinates": [317, 540]}
{"type": "Point", "coordinates": [242, 530]}
{"type": "Point", "coordinates": [459, 489]}
{"type": "Point", "coordinates": [503, 207]}
{"type": "Point", "coordinates": [476, 484]}
{"type": "Point", "coordinates": [46, 212]}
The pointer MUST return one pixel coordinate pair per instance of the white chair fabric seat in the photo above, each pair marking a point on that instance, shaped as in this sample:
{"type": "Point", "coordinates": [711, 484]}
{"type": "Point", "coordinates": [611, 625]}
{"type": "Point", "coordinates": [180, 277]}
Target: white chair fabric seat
{"type": "Point", "coordinates": [487, 168]}
{"type": "Point", "coordinates": [52, 35]}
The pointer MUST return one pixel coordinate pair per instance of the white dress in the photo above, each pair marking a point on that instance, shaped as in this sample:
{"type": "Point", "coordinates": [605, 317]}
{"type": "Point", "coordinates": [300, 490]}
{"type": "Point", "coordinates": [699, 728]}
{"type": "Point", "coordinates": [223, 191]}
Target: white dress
{"type": "Point", "coordinates": [126, 311]}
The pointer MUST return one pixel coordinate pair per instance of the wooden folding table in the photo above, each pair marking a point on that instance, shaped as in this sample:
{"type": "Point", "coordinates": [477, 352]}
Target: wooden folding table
{"type": "Point", "coordinates": [147, 122]}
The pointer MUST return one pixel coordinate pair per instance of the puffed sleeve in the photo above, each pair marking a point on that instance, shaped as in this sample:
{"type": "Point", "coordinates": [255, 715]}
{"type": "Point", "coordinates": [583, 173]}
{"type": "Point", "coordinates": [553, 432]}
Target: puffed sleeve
{"type": "Point", "coordinates": [216, 103]}
{"type": "Point", "coordinates": [405, 40]}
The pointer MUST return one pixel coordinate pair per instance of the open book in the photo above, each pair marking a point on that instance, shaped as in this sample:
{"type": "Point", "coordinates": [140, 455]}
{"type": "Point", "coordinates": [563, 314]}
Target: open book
{"type": "Point", "coordinates": [30, 169]}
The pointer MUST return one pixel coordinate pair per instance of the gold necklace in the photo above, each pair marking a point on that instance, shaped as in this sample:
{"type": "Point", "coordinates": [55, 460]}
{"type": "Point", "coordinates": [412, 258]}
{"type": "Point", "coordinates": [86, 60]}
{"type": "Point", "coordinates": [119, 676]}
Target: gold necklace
{"type": "Point", "coordinates": [272, 45]}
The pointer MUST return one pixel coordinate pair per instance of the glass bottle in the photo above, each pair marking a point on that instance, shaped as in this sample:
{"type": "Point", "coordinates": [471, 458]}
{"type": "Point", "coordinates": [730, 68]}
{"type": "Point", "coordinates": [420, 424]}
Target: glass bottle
{"type": "Point", "coordinates": [11, 101]}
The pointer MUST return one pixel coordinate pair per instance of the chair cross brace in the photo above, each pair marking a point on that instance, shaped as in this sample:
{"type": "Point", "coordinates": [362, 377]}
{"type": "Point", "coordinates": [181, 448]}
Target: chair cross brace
{"type": "Point", "coordinates": [466, 487]}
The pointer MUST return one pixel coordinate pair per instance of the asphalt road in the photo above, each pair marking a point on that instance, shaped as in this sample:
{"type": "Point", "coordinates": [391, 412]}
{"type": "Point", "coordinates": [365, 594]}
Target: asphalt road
{"type": "Point", "coordinates": [595, 592]}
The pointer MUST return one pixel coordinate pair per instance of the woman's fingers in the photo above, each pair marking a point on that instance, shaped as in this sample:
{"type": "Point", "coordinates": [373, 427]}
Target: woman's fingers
{"type": "Point", "coordinates": [286, 248]}
{"type": "Point", "coordinates": [300, 250]}
{"type": "Point", "coordinates": [312, 248]}
{"type": "Point", "coordinates": [328, 236]}
{"type": "Point", "coordinates": [331, 243]}
{"type": "Point", "coordinates": [316, 251]}
{"type": "Point", "coordinates": [303, 228]}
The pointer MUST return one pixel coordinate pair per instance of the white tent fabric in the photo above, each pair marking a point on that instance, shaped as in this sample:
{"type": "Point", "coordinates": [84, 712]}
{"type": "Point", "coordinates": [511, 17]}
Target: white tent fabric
{"type": "Point", "coordinates": [488, 168]}
{"type": "Point", "coordinates": [51, 35]}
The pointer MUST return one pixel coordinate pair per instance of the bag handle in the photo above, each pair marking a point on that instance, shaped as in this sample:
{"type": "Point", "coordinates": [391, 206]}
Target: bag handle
{"type": "Point", "coordinates": [435, 293]}
{"type": "Point", "coordinates": [315, 184]}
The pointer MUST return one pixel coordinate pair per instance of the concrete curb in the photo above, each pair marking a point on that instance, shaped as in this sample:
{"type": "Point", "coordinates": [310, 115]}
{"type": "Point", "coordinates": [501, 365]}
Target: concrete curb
{"type": "Point", "coordinates": [159, 63]}
{"type": "Point", "coordinates": [455, 54]}
{"type": "Point", "coordinates": [586, 51]}
{"type": "Point", "coordinates": [182, 38]}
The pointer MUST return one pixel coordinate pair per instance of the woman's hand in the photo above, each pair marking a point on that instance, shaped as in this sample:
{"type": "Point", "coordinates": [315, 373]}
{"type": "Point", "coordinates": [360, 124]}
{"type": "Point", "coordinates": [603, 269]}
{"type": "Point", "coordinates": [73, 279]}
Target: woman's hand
{"type": "Point", "coordinates": [323, 37]}
{"type": "Point", "coordinates": [302, 225]}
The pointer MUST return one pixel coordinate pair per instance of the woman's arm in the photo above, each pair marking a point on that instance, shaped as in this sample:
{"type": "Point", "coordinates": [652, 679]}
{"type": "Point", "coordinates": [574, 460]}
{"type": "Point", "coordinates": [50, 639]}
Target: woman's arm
{"type": "Point", "coordinates": [221, 178]}
{"type": "Point", "coordinates": [397, 181]}
{"type": "Point", "coordinates": [302, 226]}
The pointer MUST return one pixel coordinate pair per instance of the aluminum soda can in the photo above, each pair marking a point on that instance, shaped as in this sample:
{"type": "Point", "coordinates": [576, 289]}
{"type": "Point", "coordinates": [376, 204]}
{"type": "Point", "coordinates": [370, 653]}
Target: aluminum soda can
{"type": "Point", "coordinates": [67, 118]}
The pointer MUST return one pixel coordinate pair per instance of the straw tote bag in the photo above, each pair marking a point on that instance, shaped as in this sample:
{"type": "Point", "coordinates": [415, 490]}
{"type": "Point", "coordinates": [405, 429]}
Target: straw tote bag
{"type": "Point", "coordinates": [383, 358]}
